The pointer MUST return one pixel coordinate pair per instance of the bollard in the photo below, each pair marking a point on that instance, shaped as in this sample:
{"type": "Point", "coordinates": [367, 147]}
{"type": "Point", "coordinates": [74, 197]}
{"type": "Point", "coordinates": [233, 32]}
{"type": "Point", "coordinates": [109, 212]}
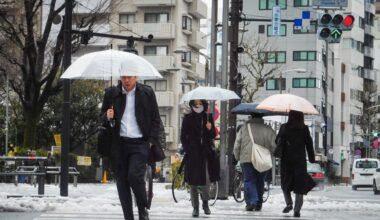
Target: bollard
{"type": "Point", "coordinates": [41, 178]}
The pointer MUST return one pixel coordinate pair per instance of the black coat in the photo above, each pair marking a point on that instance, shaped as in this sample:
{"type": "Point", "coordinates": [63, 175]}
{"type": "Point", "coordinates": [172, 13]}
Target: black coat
{"type": "Point", "coordinates": [294, 176]}
{"type": "Point", "coordinates": [197, 142]}
{"type": "Point", "coordinates": [147, 117]}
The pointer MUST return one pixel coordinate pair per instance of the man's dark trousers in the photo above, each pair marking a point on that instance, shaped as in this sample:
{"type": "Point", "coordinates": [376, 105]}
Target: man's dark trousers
{"type": "Point", "coordinates": [134, 158]}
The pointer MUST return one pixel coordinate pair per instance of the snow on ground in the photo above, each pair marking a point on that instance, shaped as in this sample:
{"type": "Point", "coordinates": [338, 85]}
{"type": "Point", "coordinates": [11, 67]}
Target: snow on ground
{"type": "Point", "coordinates": [104, 198]}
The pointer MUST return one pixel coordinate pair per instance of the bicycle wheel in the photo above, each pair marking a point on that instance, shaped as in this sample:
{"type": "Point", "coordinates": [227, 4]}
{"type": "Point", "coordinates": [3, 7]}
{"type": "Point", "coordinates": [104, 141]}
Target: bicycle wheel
{"type": "Point", "coordinates": [180, 189]}
{"type": "Point", "coordinates": [214, 189]}
{"type": "Point", "coordinates": [238, 188]}
{"type": "Point", "coordinates": [149, 185]}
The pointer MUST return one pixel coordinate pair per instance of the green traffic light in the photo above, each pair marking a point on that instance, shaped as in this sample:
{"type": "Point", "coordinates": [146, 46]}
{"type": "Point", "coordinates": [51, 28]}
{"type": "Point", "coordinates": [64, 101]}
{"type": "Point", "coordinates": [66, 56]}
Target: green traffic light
{"type": "Point", "coordinates": [336, 33]}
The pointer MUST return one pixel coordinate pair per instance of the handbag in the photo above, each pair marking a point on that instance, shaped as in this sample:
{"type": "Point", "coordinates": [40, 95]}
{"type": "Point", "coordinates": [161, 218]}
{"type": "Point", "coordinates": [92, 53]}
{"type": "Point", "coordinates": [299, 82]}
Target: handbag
{"type": "Point", "coordinates": [261, 157]}
{"type": "Point", "coordinates": [157, 153]}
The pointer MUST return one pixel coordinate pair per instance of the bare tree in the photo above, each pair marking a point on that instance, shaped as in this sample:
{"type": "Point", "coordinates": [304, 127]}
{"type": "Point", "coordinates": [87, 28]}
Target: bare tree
{"type": "Point", "coordinates": [35, 53]}
{"type": "Point", "coordinates": [256, 65]}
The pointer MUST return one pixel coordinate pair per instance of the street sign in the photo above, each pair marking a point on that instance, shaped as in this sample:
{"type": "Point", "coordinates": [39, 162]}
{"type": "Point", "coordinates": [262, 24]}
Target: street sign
{"type": "Point", "coordinates": [276, 21]}
{"type": "Point", "coordinates": [302, 23]}
{"type": "Point", "coordinates": [330, 3]}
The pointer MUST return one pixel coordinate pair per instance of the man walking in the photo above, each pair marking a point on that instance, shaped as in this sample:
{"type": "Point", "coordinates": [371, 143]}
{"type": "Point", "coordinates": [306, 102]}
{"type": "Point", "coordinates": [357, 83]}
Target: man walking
{"type": "Point", "coordinates": [130, 110]}
{"type": "Point", "coordinates": [265, 136]}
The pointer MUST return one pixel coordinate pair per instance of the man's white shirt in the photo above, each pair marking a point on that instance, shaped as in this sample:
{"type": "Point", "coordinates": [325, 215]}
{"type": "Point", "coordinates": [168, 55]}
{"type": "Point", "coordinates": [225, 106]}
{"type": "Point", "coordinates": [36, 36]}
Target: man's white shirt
{"type": "Point", "coordinates": [129, 127]}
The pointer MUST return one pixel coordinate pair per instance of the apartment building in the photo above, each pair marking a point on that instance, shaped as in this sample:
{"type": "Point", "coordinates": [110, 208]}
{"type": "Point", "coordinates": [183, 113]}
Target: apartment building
{"type": "Point", "coordinates": [336, 74]}
{"type": "Point", "coordinates": [174, 50]}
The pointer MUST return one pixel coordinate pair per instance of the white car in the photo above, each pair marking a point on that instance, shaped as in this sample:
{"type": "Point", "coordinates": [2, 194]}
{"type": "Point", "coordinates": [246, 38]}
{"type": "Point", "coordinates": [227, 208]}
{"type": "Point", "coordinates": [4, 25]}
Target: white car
{"type": "Point", "coordinates": [363, 172]}
{"type": "Point", "coordinates": [376, 182]}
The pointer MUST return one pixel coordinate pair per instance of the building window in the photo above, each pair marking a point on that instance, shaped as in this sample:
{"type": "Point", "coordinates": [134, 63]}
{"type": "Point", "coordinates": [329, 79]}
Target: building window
{"type": "Point", "coordinates": [268, 4]}
{"type": "Point", "coordinates": [186, 23]}
{"type": "Point", "coordinates": [304, 83]}
{"type": "Point", "coordinates": [156, 17]}
{"type": "Point", "coordinates": [126, 18]}
{"type": "Point", "coordinates": [282, 30]}
{"type": "Point", "coordinates": [186, 57]}
{"type": "Point", "coordinates": [302, 3]}
{"type": "Point", "coordinates": [312, 29]}
{"type": "Point", "coordinates": [155, 50]}
{"type": "Point", "coordinates": [262, 29]}
{"type": "Point", "coordinates": [157, 85]}
{"type": "Point", "coordinates": [274, 84]}
{"type": "Point", "coordinates": [273, 57]}
{"type": "Point", "coordinates": [356, 94]}
{"type": "Point", "coordinates": [304, 55]}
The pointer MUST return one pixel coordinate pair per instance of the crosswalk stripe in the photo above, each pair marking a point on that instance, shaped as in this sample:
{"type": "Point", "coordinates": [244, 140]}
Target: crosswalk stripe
{"type": "Point", "coordinates": [159, 215]}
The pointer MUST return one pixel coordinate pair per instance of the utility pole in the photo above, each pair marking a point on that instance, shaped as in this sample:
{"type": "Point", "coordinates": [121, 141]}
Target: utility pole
{"type": "Point", "coordinates": [66, 100]}
{"type": "Point", "coordinates": [236, 7]}
{"type": "Point", "coordinates": [224, 175]}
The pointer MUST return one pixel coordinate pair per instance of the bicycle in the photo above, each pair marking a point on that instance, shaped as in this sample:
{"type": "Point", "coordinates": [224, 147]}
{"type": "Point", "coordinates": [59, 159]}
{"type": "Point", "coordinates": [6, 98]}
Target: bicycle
{"type": "Point", "coordinates": [181, 190]}
{"type": "Point", "coordinates": [238, 186]}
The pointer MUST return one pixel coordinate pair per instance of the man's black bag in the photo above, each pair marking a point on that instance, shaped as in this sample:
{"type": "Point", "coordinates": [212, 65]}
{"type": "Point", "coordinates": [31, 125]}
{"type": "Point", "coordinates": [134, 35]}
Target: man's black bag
{"type": "Point", "coordinates": [157, 150]}
{"type": "Point", "coordinates": [104, 141]}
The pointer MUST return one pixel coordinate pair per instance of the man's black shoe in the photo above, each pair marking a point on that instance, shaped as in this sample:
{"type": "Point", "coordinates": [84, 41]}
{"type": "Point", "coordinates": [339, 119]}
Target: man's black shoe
{"type": "Point", "coordinates": [196, 212]}
{"type": "Point", "coordinates": [258, 207]}
{"type": "Point", "coordinates": [250, 208]}
{"type": "Point", "coordinates": [143, 215]}
{"type": "Point", "coordinates": [287, 209]}
{"type": "Point", "coordinates": [297, 214]}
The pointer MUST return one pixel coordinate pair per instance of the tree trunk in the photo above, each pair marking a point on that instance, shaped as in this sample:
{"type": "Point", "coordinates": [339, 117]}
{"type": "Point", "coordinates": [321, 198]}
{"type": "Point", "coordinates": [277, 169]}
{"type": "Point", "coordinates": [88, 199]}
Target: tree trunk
{"type": "Point", "coordinates": [30, 128]}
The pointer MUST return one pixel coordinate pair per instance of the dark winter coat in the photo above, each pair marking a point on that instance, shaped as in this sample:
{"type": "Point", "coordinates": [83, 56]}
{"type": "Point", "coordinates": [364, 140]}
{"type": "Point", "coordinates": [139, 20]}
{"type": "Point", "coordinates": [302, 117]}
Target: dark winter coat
{"type": "Point", "coordinates": [147, 117]}
{"type": "Point", "coordinates": [294, 176]}
{"type": "Point", "coordinates": [197, 142]}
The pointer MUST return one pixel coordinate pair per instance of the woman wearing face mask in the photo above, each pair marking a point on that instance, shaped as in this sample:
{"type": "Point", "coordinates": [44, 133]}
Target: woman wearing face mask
{"type": "Point", "coordinates": [201, 165]}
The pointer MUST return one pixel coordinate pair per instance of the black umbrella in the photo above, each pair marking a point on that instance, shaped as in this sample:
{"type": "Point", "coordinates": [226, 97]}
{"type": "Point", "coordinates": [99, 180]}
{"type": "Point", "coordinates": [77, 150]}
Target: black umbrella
{"type": "Point", "coordinates": [250, 108]}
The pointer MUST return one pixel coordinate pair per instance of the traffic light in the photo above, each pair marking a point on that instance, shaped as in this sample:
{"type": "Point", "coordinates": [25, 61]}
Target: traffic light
{"type": "Point", "coordinates": [331, 26]}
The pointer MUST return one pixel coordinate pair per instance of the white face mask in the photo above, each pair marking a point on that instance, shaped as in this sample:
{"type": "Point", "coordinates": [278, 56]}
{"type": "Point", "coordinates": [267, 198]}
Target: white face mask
{"type": "Point", "coordinates": [198, 109]}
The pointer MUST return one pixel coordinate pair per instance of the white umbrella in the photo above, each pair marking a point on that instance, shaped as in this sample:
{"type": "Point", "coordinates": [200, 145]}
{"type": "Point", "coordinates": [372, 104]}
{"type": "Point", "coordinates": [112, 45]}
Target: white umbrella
{"type": "Point", "coordinates": [110, 63]}
{"type": "Point", "coordinates": [209, 93]}
{"type": "Point", "coordinates": [287, 102]}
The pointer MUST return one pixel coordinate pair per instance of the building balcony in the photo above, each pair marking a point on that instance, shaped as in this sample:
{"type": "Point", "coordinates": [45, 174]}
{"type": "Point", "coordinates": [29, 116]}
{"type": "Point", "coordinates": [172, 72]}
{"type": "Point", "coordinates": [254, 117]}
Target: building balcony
{"type": "Point", "coordinates": [165, 98]}
{"type": "Point", "coordinates": [369, 74]}
{"type": "Point", "coordinates": [198, 40]}
{"type": "Point", "coordinates": [6, 5]}
{"type": "Point", "coordinates": [158, 30]}
{"type": "Point", "coordinates": [169, 131]}
{"type": "Point", "coordinates": [161, 63]}
{"type": "Point", "coordinates": [199, 69]}
{"type": "Point", "coordinates": [370, 8]}
{"type": "Point", "coordinates": [368, 29]}
{"type": "Point", "coordinates": [368, 51]}
{"type": "Point", "coordinates": [147, 3]}
{"type": "Point", "coordinates": [198, 9]}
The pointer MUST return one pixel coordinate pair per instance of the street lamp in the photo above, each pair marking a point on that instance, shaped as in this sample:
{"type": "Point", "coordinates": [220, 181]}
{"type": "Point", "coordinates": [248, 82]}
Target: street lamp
{"type": "Point", "coordinates": [298, 70]}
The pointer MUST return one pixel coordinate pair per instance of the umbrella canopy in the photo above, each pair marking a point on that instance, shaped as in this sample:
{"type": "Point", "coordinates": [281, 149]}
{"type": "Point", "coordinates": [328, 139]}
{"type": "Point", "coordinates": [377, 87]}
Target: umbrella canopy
{"type": "Point", "coordinates": [249, 108]}
{"type": "Point", "coordinates": [209, 93]}
{"type": "Point", "coordinates": [287, 102]}
{"type": "Point", "coordinates": [110, 63]}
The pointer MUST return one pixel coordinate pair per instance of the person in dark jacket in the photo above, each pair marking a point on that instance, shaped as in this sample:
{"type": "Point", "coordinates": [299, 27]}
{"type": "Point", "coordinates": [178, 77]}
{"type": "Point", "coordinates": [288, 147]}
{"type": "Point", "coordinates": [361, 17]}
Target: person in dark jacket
{"type": "Point", "coordinates": [130, 110]}
{"type": "Point", "coordinates": [201, 162]}
{"type": "Point", "coordinates": [294, 176]}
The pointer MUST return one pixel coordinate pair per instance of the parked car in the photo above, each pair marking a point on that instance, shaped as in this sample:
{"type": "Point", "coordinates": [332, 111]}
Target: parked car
{"type": "Point", "coordinates": [363, 172]}
{"type": "Point", "coordinates": [376, 182]}
{"type": "Point", "coordinates": [316, 172]}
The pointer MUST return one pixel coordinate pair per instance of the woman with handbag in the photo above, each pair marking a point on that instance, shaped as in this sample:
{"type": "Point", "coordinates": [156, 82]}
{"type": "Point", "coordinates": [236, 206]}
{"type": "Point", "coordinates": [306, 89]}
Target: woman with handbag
{"type": "Point", "coordinates": [295, 138]}
{"type": "Point", "coordinates": [254, 132]}
{"type": "Point", "coordinates": [197, 134]}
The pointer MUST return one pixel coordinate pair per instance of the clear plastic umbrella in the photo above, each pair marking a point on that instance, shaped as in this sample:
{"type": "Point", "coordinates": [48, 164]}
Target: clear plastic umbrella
{"type": "Point", "coordinates": [209, 93]}
{"type": "Point", "coordinates": [110, 63]}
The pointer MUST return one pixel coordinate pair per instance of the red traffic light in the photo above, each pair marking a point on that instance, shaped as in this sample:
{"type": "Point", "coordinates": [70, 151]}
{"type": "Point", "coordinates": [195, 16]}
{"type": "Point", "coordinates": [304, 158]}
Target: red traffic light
{"type": "Point", "coordinates": [348, 21]}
